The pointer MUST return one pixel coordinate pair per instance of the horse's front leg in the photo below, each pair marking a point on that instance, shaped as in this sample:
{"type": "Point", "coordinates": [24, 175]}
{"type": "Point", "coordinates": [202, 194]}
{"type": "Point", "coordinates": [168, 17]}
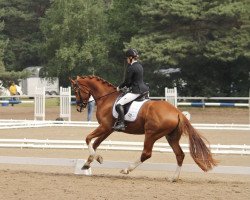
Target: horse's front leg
{"type": "Point", "coordinates": [97, 142]}
{"type": "Point", "coordinates": [90, 158]}
{"type": "Point", "coordinates": [102, 134]}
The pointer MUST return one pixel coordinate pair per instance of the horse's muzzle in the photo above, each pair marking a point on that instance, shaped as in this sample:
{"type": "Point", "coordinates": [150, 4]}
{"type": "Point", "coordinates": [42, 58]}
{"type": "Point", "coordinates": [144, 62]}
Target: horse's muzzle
{"type": "Point", "coordinates": [81, 107]}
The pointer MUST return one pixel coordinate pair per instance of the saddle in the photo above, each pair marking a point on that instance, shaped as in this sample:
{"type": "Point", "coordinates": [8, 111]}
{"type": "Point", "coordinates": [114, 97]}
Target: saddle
{"type": "Point", "coordinates": [131, 109]}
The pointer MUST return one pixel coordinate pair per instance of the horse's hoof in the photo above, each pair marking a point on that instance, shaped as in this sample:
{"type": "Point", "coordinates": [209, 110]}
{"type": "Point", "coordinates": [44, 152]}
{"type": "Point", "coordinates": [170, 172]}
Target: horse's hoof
{"type": "Point", "coordinates": [99, 159]}
{"type": "Point", "coordinates": [84, 167]}
{"type": "Point", "coordinates": [124, 171]}
{"type": "Point", "coordinates": [173, 180]}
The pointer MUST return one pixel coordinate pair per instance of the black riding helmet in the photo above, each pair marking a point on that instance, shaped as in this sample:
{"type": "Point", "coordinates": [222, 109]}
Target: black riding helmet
{"type": "Point", "coordinates": [131, 53]}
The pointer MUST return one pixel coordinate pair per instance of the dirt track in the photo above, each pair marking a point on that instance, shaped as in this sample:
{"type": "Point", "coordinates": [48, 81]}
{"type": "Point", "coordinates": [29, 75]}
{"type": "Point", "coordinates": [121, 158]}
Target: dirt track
{"type": "Point", "coordinates": [37, 185]}
{"type": "Point", "coordinates": [36, 182]}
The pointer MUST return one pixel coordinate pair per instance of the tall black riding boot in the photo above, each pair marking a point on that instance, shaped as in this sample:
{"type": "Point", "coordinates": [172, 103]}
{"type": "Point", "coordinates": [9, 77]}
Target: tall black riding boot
{"type": "Point", "coordinates": [119, 125]}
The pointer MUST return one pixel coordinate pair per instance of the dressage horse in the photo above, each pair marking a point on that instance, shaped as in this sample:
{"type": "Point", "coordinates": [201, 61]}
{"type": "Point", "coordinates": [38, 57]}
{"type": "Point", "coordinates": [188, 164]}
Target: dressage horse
{"type": "Point", "coordinates": [156, 119]}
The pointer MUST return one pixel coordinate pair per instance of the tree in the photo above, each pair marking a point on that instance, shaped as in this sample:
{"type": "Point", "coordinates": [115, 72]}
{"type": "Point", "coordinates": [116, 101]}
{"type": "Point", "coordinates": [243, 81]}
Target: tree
{"type": "Point", "coordinates": [203, 38]}
{"type": "Point", "coordinates": [124, 19]}
{"type": "Point", "coordinates": [3, 44]}
{"type": "Point", "coordinates": [76, 38]}
{"type": "Point", "coordinates": [21, 18]}
{"type": "Point", "coordinates": [6, 77]}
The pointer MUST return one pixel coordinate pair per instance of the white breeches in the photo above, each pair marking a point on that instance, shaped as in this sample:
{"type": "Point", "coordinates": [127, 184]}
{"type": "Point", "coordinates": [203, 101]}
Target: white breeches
{"type": "Point", "coordinates": [127, 98]}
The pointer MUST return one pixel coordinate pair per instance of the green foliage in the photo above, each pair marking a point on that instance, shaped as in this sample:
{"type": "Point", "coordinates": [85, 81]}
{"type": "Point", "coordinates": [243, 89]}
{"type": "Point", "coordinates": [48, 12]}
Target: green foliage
{"type": "Point", "coordinates": [195, 35]}
{"type": "Point", "coordinates": [77, 38]}
{"type": "Point", "coordinates": [3, 43]}
{"type": "Point", "coordinates": [7, 77]}
{"type": "Point", "coordinates": [208, 40]}
{"type": "Point", "coordinates": [124, 19]}
{"type": "Point", "coordinates": [21, 19]}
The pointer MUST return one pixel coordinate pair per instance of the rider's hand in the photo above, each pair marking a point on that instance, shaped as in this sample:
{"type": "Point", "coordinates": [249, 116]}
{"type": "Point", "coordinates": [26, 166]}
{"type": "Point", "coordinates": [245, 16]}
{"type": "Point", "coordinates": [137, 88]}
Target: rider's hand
{"type": "Point", "coordinates": [118, 89]}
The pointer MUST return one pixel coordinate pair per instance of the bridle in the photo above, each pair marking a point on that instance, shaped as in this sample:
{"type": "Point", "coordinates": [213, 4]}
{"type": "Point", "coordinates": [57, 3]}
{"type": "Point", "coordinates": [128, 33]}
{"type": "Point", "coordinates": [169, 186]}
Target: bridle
{"type": "Point", "coordinates": [82, 103]}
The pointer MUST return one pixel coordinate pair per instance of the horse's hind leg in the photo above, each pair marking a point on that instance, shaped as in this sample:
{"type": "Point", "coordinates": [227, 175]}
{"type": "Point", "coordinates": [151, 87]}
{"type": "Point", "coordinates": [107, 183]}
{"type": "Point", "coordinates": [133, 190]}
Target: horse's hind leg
{"type": "Point", "coordinates": [173, 140]}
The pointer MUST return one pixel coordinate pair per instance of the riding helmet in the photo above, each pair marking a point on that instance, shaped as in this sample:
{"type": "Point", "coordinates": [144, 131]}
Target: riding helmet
{"type": "Point", "coordinates": [131, 53]}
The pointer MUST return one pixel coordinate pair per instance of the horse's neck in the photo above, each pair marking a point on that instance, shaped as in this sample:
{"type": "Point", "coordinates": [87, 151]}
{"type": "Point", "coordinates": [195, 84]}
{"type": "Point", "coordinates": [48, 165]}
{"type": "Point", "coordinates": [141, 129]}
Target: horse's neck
{"type": "Point", "coordinates": [100, 90]}
{"type": "Point", "coordinates": [103, 94]}
{"type": "Point", "coordinates": [105, 104]}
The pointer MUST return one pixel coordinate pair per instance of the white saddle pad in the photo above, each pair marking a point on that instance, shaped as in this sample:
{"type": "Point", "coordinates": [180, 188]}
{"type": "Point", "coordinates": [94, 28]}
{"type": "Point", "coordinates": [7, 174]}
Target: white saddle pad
{"type": "Point", "coordinates": [132, 112]}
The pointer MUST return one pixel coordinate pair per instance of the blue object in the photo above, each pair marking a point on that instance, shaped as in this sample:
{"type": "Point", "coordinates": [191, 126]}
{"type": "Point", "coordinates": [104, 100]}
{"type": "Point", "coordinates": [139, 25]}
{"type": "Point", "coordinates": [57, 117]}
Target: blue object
{"type": "Point", "coordinates": [5, 104]}
{"type": "Point", "coordinates": [227, 104]}
{"type": "Point", "coordinates": [197, 104]}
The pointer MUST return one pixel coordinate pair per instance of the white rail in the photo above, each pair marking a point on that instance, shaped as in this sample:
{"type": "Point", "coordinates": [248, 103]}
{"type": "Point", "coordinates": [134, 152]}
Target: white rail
{"type": "Point", "coordinates": [14, 124]}
{"type": "Point", "coordinates": [65, 103]}
{"type": "Point", "coordinates": [39, 110]}
{"type": "Point", "coordinates": [115, 145]}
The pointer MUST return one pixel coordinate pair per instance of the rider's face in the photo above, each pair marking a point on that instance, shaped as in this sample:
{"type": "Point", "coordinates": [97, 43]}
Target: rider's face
{"type": "Point", "coordinates": [129, 60]}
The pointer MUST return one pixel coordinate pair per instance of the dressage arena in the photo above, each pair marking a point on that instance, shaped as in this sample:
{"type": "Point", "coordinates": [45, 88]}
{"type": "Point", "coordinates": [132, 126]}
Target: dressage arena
{"type": "Point", "coordinates": [60, 182]}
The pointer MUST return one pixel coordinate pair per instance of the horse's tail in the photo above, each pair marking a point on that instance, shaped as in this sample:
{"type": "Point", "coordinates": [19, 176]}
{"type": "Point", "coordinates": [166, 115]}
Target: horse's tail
{"type": "Point", "coordinates": [197, 147]}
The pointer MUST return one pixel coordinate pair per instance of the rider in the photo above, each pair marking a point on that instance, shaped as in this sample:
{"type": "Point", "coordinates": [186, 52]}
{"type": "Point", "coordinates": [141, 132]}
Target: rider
{"type": "Point", "coordinates": [133, 81]}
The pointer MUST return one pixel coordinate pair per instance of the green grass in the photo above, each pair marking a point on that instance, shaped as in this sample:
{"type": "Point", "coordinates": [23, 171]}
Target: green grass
{"type": "Point", "coordinates": [52, 102]}
{"type": "Point", "coordinates": [49, 102]}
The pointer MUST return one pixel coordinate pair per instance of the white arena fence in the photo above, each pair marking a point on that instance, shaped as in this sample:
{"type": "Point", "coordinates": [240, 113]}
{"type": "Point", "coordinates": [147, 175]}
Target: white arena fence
{"type": "Point", "coordinates": [14, 124]}
{"type": "Point", "coordinates": [65, 103]}
{"type": "Point", "coordinates": [115, 145]}
{"type": "Point", "coordinates": [39, 110]}
{"type": "Point", "coordinates": [171, 95]}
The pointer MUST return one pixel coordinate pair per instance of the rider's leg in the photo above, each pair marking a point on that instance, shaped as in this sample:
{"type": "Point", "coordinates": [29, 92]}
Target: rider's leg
{"type": "Point", "coordinates": [120, 123]}
{"type": "Point", "coordinates": [119, 126]}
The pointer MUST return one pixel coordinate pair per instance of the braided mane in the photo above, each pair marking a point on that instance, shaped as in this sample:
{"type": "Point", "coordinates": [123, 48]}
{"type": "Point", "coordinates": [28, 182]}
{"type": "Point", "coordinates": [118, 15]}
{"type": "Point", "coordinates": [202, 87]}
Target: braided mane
{"type": "Point", "coordinates": [98, 79]}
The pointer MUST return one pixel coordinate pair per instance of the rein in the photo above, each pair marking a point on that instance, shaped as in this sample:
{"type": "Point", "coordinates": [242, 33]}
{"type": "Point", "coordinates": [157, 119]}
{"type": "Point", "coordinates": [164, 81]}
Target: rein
{"type": "Point", "coordinates": [104, 96]}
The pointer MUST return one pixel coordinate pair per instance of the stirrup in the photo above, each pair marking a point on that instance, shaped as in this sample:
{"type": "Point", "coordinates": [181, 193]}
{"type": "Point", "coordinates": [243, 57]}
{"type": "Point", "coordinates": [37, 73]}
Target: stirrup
{"type": "Point", "coordinates": [119, 127]}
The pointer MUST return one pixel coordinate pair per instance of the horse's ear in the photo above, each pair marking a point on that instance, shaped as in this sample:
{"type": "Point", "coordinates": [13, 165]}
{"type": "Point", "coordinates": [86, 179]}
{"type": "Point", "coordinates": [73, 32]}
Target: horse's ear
{"type": "Point", "coordinates": [78, 77]}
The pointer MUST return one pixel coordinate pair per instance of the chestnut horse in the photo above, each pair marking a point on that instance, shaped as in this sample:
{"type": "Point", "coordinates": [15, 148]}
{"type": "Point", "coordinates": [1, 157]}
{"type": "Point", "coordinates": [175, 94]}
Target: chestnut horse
{"type": "Point", "coordinates": [155, 120]}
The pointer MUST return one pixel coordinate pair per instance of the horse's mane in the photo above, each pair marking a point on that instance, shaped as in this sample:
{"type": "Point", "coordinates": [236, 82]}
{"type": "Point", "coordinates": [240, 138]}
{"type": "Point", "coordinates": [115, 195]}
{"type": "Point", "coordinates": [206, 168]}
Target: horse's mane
{"type": "Point", "coordinates": [98, 79]}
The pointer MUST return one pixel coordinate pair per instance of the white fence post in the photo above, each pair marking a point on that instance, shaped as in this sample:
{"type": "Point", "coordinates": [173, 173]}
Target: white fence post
{"type": "Point", "coordinates": [65, 103]}
{"type": "Point", "coordinates": [171, 95]}
{"type": "Point", "coordinates": [249, 107]}
{"type": "Point", "coordinates": [39, 110]}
